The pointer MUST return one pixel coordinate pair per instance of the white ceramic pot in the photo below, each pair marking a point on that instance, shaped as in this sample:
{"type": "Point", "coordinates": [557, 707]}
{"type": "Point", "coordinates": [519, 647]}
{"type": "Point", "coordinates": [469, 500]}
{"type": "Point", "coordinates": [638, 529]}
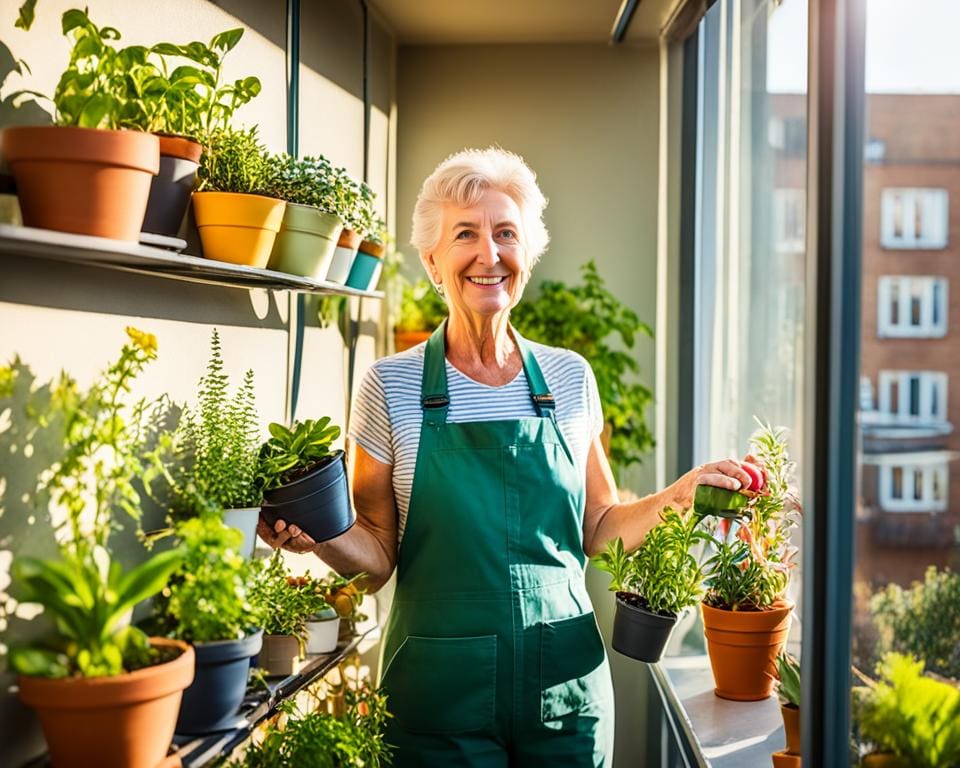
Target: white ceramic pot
{"type": "Point", "coordinates": [341, 264]}
{"type": "Point", "coordinates": [322, 632]}
{"type": "Point", "coordinates": [246, 521]}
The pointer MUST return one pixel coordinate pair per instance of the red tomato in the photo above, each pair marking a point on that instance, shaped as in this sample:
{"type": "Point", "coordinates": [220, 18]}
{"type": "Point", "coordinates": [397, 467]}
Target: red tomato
{"type": "Point", "coordinates": [757, 477]}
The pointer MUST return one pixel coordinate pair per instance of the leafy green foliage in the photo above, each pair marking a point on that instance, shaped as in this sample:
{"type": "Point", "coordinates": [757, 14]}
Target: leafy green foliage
{"type": "Point", "coordinates": [209, 596]}
{"type": "Point", "coordinates": [291, 452]}
{"type": "Point", "coordinates": [663, 571]}
{"type": "Point", "coordinates": [284, 607]}
{"type": "Point", "coordinates": [923, 620]}
{"type": "Point", "coordinates": [357, 204]}
{"type": "Point", "coordinates": [421, 307]}
{"type": "Point", "coordinates": [306, 181]}
{"type": "Point", "coordinates": [322, 740]}
{"type": "Point", "coordinates": [26, 15]}
{"type": "Point", "coordinates": [234, 161]}
{"type": "Point", "coordinates": [86, 592]}
{"type": "Point", "coordinates": [915, 717]}
{"type": "Point", "coordinates": [788, 671]}
{"type": "Point", "coordinates": [752, 559]}
{"type": "Point", "coordinates": [589, 319]}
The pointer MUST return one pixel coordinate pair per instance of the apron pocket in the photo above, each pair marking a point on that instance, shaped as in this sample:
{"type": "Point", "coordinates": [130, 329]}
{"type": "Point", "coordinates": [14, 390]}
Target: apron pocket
{"type": "Point", "coordinates": [443, 684]}
{"type": "Point", "coordinates": [572, 672]}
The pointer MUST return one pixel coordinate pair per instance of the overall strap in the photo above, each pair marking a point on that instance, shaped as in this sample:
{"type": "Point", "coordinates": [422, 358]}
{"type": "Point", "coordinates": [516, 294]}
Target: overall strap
{"type": "Point", "coordinates": [543, 400]}
{"type": "Point", "coordinates": [434, 398]}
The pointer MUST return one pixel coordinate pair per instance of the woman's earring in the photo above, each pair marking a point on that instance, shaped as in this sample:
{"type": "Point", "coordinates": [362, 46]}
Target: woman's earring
{"type": "Point", "coordinates": [438, 287]}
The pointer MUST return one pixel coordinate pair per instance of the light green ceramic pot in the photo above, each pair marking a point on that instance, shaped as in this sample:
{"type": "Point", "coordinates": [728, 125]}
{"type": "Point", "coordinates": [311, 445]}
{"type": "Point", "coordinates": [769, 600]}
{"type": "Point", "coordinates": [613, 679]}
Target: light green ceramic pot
{"type": "Point", "coordinates": [306, 241]}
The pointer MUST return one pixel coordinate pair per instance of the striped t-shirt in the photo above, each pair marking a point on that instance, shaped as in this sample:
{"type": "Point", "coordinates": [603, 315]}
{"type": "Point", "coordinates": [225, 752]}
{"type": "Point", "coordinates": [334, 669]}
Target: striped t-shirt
{"type": "Point", "coordinates": [387, 415]}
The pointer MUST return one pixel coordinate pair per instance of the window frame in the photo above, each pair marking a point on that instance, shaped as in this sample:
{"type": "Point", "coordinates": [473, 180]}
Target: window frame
{"type": "Point", "coordinates": [931, 471]}
{"type": "Point", "coordinates": [929, 382]}
{"type": "Point", "coordinates": [928, 327]}
{"type": "Point", "coordinates": [933, 203]}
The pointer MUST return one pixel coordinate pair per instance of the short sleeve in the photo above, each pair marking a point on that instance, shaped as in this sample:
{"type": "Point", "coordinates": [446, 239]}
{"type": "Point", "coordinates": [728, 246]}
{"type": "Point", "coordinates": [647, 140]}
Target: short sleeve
{"type": "Point", "coordinates": [370, 425]}
{"type": "Point", "coordinates": [594, 407]}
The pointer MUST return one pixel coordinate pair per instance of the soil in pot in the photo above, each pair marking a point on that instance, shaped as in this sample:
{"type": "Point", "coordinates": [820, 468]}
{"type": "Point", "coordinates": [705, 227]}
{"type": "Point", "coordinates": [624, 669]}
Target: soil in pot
{"type": "Point", "coordinates": [306, 241]}
{"type": "Point", "coordinates": [280, 655]}
{"type": "Point", "coordinates": [638, 632]}
{"type": "Point", "coordinates": [791, 728]}
{"type": "Point", "coordinates": [343, 256]}
{"type": "Point", "coordinates": [318, 502]}
{"type": "Point", "coordinates": [237, 228]}
{"type": "Point", "coordinates": [211, 702]}
{"type": "Point", "coordinates": [171, 188]}
{"type": "Point", "coordinates": [743, 647]}
{"type": "Point", "coordinates": [125, 721]}
{"type": "Point", "coordinates": [82, 180]}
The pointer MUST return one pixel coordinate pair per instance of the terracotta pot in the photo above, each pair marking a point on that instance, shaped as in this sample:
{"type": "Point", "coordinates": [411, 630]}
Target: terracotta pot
{"type": "Point", "coordinates": [743, 648]}
{"type": "Point", "coordinates": [786, 760]}
{"type": "Point", "coordinates": [82, 180]}
{"type": "Point", "coordinates": [171, 188]}
{"type": "Point", "coordinates": [237, 228]}
{"type": "Point", "coordinates": [125, 721]}
{"type": "Point", "coordinates": [882, 760]}
{"type": "Point", "coordinates": [791, 728]}
{"type": "Point", "coordinates": [404, 340]}
{"type": "Point", "coordinates": [343, 256]}
{"type": "Point", "coordinates": [280, 655]}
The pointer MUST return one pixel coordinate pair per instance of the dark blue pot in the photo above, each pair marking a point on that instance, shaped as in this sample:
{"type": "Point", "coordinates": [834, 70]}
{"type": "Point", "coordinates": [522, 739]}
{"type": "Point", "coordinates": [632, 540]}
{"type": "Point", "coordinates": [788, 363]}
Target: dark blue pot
{"type": "Point", "coordinates": [219, 684]}
{"type": "Point", "coordinates": [318, 503]}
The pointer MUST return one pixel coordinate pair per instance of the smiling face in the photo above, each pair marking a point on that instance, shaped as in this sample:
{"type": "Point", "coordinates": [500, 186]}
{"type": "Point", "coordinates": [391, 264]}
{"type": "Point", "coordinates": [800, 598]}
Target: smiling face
{"type": "Point", "coordinates": [480, 259]}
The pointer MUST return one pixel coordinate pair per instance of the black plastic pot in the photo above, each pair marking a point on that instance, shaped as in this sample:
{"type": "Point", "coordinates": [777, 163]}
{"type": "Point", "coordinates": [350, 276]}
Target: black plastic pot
{"type": "Point", "coordinates": [638, 633]}
{"type": "Point", "coordinates": [219, 684]}
{"type": "Point", "coordinates": [318, 503]}
{"type": "Point", "coordinates": [170, 189]}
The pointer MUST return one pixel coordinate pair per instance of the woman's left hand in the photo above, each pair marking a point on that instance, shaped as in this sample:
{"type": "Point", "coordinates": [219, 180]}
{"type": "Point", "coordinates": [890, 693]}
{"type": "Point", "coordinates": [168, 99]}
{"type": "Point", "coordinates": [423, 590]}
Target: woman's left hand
{"type": "Point", "coordinates": [288, 537]}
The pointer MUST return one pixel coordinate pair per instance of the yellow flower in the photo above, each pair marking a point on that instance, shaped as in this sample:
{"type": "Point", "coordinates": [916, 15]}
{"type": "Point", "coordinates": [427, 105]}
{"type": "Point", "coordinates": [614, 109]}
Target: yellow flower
{"type": "Point", "coordinates": [145, 341]}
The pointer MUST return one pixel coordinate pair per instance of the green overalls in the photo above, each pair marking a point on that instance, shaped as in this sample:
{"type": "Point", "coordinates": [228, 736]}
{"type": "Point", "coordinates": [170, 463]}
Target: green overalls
{"type": "Point", "coordinates": [492, 656]}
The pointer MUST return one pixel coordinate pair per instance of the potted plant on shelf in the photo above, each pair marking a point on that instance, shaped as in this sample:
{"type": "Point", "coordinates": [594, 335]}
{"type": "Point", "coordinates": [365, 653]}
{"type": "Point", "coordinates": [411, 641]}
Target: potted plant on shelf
{"type": "Point", "coordinates": [236, 215]}
{"type": "Point", "coordinates": [311, 225]}
{"type": "Point", "coordinates": [906, 717]}
{"type": "Point", "coordinates": [368, 264]}
{"type": "Point", "coordinates": [587, 318]}
{"type": "Point", "coordinates": [746, 616]}
{"type": "Point", "coordinates": [422, 310]}
{"type": "Point", "coordinates": [323, 622]}
{"type": "Point", "coordinates": [788, 687]}
{"type": "Point", "coordinates": [285, 610]}
{"type": "Point", "coordinates": [303, 481]}
{"type": "Point", "coordinates": [653, 584]}
{"type": "Point", "coordinates": [106, 695]}
{"type": "Point", "coordinates": [357, 213]}
{"type": "Point", "coordinates": [345, 594]}
{"type": "Point", "coordinates": [208, 604]}
{"type": "Point", "coordinates": [84, 174]}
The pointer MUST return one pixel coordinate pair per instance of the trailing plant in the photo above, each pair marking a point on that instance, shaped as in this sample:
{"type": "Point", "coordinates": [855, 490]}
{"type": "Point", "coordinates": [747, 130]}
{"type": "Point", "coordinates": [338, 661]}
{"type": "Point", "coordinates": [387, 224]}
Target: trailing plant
{"type": "Point", "coordinates": [323, 740]}
{"type": "Point", "coordinates": [421, 307]}
{"type": "Point", "coordinates": [208, 598]}
{"type": "Point", "coordinates": [922, 620]}
{"type": "Point", "coordinates": [86, 592]}
{"type": "Point", "coordinates": [305, 181]}
{"type": "Point", "coordinates": [749, 569]}
{"type": "Point", "coordinates": [291, 453]}
{"type": "Point", "coordinates": [591, 320]}
{"type": "Point", "coordinates": [285, 609]}
{"type": "Point", "coordinates": [913, 716]}
{"type": "Point", "coordinates": [662, 575]}
{"type": "Point", "coordinates": [209, 463]}
{"type": "Point", "coordinates": [234, 161]}
{"type": "Point", "coordinates": [788, 676]}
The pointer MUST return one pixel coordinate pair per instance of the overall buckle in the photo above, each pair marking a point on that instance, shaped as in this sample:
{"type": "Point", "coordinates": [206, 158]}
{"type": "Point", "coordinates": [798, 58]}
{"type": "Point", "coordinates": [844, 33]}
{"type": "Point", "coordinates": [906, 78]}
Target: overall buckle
{"type": "Point", "coordinates": [544, 401]}
{"type": "Point", "coordinates": [435, 401]}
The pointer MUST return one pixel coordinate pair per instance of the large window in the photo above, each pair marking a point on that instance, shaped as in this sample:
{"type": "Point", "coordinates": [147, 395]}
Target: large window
{"type": "Point", "coordinates": [913, 218]}
{"type": "Point", "coordinates": [911, 306]}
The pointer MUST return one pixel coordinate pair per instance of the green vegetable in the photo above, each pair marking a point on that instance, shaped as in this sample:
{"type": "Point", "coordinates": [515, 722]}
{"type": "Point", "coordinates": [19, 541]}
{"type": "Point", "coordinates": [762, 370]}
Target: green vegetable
{"type": "Point", "coordinates": [721, 502]}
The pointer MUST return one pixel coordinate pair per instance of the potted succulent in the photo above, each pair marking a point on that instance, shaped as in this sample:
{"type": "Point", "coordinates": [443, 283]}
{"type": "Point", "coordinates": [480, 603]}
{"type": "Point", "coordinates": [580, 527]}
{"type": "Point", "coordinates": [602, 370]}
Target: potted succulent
{"type": "Point", "coordinates": [285, 610]}
{"type": "Point", "coordinates": [207, 604]}
{"type": "Point", "coordinates": [303, 481]}
{"type": "Point", "coordinates": [653, 584]}
{"type": "Point", "coordinates": [357, 213]}
{"type": "Point", "coordinates": [906, 717]}
{"type": "Point", "coordinates": [311, 227]}
{"type": "Point", "coordinates": [106, 695]}
{"type": "Point", "coordinates": [323, 622]}
{"type": "Point", "coordinates": [422, 310]}
{"type": "Point", "coordinates": [85, 174]}
{"type": "Point", "coordinates": [236, 215]}
{"type": "Point", "coordinates": [745, 614]}
{"type": "Point", "coordinates": [368, 264]}
{"type": "Point", "coordinates": [591, 320]}
{"type": "Point", "coordinates": [788, 687]}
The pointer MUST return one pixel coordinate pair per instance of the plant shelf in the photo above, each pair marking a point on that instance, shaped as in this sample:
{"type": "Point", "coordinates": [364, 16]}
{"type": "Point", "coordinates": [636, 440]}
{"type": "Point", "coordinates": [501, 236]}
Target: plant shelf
{"type": "Point", "coordinates": [145, 259]}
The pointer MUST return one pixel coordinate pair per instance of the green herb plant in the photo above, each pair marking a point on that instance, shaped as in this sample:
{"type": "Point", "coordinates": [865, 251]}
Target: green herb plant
{"type": "Point", "coordinates": [285, 608]}
{"type": "Point", "coordinates": [290, 453]}
{"type": "Point", "coordinates": [922, 620]}
{"type": "Point", "coordinates": [235, 161]}
{"type": "Point", "coordinates": [915, 717]}
{"type": "Point", "coordinates": [305, 181]}
{"type": "Point", "coordinates": [313, 593]}
{"type": "Point", "coordinates": [750, 566]}
{"type": "Point", "coordinates": [788, 676]}
{"type": "Point", "coordinates": [86, 591]}
{"type": "Point", "coordinates": [662, 575]}
{"type": "Point", "coordinates": [591, 320]}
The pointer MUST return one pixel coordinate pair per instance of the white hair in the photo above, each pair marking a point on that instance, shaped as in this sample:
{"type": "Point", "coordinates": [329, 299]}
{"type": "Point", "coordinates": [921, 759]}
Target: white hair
{"type": "Point", "coordinates": [463, 177]}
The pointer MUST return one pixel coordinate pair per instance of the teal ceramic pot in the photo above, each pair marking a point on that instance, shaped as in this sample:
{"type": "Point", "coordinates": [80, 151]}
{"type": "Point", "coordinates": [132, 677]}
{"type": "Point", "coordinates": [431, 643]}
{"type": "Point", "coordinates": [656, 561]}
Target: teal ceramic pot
{"type": "Point", "coordinates": [306, 241]}
{"type": "Point", "coordinates": [366, 268]}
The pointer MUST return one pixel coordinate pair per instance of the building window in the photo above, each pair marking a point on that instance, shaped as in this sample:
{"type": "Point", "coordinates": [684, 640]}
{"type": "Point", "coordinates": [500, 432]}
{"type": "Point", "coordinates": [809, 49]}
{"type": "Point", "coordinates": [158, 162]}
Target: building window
{"type": "Point", "coordinates": [914, 487]}
{"type": "Point", "coordinates": [789, 210]}
{"type": "Point", "coordinates": [914, 218]}
{"type": "Point", "coordinates": [909, 306]}
{"type": "Point", "coordinates": [907, 396]}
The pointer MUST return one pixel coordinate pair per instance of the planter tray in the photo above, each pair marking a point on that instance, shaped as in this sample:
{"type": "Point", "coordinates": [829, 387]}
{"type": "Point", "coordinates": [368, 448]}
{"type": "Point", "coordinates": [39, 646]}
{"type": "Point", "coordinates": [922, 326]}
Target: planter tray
{"type": "Point", "coordinates": [134, 257]}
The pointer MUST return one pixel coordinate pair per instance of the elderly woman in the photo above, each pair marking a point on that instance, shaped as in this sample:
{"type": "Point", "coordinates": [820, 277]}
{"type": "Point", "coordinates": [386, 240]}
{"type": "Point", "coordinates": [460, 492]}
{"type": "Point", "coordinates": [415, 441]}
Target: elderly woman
{"type": "Point", "coordinates": [479, 475]}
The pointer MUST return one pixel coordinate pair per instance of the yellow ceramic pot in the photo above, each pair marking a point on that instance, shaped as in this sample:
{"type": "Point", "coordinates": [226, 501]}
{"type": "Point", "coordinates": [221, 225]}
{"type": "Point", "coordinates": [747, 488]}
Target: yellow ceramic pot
{"type": "Point", "coordinates": [237, 228]}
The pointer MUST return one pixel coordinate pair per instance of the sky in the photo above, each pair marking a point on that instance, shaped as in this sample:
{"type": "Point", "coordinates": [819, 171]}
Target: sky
{"type": "Point", "coordinates": [912, 46]}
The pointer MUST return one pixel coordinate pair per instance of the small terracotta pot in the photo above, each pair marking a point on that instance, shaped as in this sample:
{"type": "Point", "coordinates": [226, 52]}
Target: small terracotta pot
{"type": "Point", "coordinates": [743, 648]}
{"type": "Point", "coordinates": [125, 721]}
{"type": "Point", "coordinates": [404, 340]}
{"type": "Point", "coordinates": [343, 256]}
{"type": "Point", "coordinates": [237, 228]}
{"type": "Point", "coordinates": [280, 655]}
{"type": "Point", "coordinates": [786, 760]}
{"type": "Point", "coordinates": [882, 760]}
{"type": "Point", "coordinates": [82, 180]}
{"type": "Point", "coordinates": [791, 728]}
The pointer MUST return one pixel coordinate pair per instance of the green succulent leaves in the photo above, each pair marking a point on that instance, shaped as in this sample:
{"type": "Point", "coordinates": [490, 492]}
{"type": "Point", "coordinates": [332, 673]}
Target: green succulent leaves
{"type": "Point", "coordinates": [290, 451]}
